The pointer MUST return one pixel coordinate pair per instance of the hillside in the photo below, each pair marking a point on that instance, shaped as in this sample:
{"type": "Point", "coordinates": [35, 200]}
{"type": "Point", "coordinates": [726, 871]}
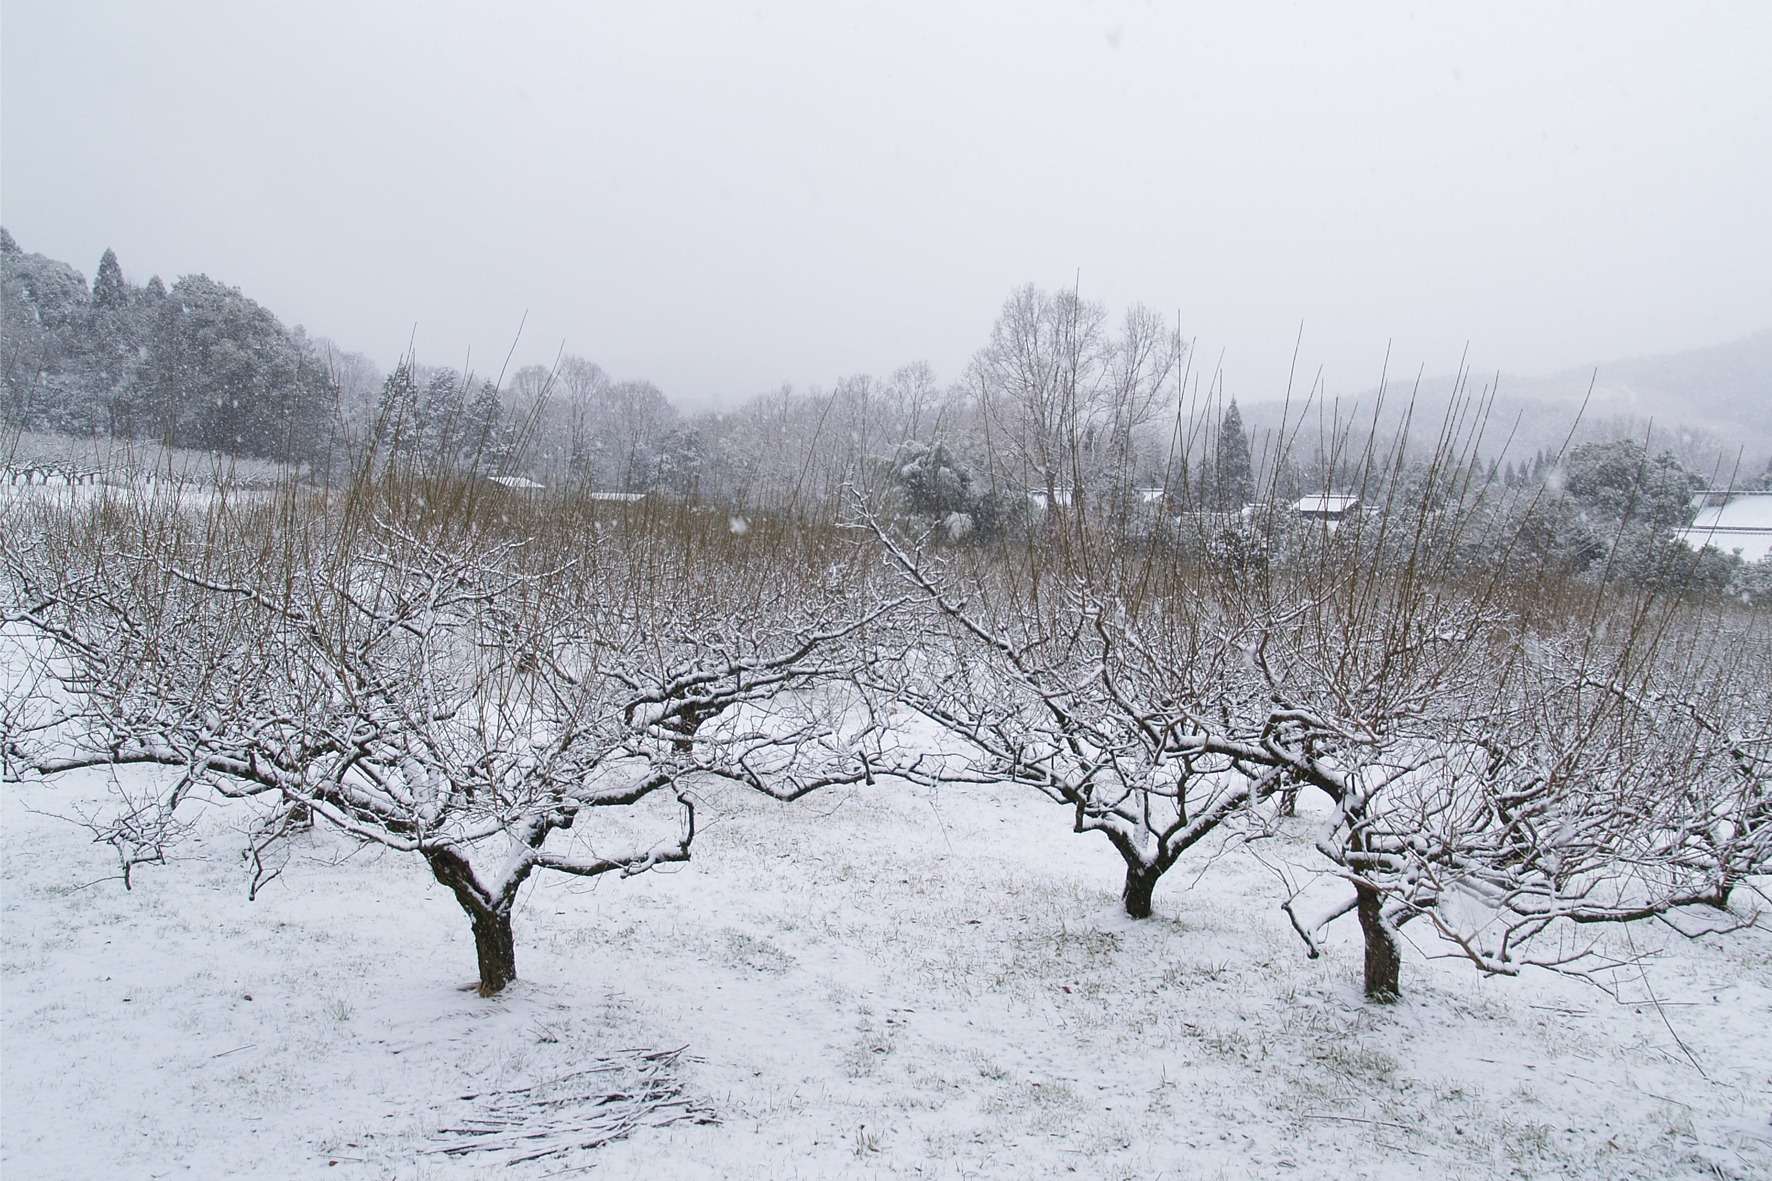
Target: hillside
{"type": "Point", "coordinates": [1705, 404]}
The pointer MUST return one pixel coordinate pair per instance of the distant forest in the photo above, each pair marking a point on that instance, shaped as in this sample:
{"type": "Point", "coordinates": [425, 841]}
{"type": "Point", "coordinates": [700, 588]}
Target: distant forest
{"type": "Point", "coordinates": [195, 365]}
{"type": "Point", "coordinates": [1063, 402]}
{"type": "Point", "coordinates": [199, 364]}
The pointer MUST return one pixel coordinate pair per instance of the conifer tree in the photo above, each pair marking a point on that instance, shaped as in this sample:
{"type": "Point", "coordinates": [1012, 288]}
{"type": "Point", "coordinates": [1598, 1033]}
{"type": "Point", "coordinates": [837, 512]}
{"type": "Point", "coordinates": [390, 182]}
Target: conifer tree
{"type": "Point", "coordinates": [441, 419]}
{"type": "Point", "coordinates": [109, 291]}
{"type": "Point", "coordinates": [118, 337]}
{"type": "Point", "coordinates": [489, 441]}
{"type": "Point", "coordinates": [397, 413]}
{"type": "Point", "coordinates": [1235, 475]}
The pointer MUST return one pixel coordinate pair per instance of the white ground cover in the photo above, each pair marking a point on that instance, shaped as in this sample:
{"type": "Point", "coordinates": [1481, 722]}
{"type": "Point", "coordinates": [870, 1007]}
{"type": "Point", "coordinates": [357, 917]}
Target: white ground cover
{"type": "Point", "coordinates": [882, 982]}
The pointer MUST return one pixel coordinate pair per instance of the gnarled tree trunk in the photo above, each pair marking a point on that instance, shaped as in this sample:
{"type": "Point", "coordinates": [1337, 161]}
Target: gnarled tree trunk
{"type": "Point", "coordinates": [495, 950]}
{"type": "Point", "coordinates": [1384, 958]}
{"type": "Point", "coordinates": [1141, 883]}
{"type": "Point", "coordinates": [494, 945]}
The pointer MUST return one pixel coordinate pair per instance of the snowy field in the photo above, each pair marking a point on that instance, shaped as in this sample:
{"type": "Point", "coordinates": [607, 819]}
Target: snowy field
{"type": "Point", "coordinates": [877, 983]}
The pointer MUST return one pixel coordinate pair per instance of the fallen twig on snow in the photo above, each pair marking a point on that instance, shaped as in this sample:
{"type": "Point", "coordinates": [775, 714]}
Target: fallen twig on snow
{"type": "Point", "coordinates": [582, 1110]}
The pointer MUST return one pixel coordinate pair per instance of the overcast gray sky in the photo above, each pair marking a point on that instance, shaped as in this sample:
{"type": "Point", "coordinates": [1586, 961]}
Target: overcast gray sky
{"type": "Point", "coordinates": [725, 196]}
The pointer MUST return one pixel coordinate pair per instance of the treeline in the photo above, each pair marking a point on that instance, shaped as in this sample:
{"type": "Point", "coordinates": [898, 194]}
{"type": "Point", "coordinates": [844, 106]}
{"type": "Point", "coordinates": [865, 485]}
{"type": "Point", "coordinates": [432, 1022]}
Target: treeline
{"type": "Point", "coordinates": [197, 364]}
{"type": "Point", "coordinates": [1067, 415]}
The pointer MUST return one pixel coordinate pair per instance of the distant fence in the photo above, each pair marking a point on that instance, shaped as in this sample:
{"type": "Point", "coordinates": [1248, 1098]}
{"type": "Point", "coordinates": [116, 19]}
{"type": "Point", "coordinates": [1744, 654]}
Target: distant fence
{"type": "Point", "coordinates": [49, 472]}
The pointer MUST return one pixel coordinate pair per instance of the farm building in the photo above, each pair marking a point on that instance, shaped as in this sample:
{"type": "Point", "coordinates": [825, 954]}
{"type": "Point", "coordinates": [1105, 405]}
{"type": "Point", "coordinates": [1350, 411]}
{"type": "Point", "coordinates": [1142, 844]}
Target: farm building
{"type": "Point", "coordinates": [1328, 508]}
{"type": "Point", "coordinates": [1732, 521]}
{"type": "Point", "coordinates": [516, 483]}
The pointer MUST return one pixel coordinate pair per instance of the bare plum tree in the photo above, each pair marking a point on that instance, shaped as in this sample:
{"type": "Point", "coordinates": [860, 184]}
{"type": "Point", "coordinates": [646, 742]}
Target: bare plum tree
{"type": "Point", "coordinates": [1520, 765]}
{"type": "Point", "coordinates": [1130, 709]}
{"type": "Point", "coordinates": [467, 699]}
{"type": "Point", "coordinates": [1515, 771]}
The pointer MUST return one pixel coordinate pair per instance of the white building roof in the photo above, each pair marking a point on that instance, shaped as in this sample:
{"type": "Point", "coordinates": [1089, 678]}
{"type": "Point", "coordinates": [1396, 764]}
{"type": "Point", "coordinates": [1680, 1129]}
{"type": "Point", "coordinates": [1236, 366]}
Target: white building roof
{"type": "Point", "coordinates": [1064, 493]}
{"type": "Point", "coordinates": [1739, 522]}
{"type": "Point", "coordinates": [1326, 505]}
{"type": "Point", "coordinates": [518, 483]}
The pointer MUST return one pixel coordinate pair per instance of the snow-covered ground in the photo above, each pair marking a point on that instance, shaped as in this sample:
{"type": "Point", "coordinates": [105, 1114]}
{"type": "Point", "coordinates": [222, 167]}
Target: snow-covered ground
{"type": "Point", "coordinates": [878, 983]}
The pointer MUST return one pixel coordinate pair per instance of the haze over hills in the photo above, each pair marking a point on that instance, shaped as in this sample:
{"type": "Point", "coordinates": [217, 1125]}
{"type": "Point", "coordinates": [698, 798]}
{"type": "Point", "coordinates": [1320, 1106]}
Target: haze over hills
{"type": "Point", "coordinates": [1710, 405]}
{"type": "Point", "coordinates": [95, 360]}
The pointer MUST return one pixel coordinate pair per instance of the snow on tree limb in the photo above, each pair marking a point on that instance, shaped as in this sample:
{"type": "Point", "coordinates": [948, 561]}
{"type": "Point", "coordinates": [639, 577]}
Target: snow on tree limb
{"type": "Point", "coordinates": [460, 698]}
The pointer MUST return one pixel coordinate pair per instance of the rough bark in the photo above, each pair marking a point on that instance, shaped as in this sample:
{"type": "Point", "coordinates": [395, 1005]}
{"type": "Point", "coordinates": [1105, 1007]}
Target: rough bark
{"type": "Point", "coordinates": [1141, 883]}
{"type": "Point", "coordinates": [494, 945]}
{"type": "Point", "coordinates": [495, 949]}
{"type": "Point", "coordinates": [1384, 958]}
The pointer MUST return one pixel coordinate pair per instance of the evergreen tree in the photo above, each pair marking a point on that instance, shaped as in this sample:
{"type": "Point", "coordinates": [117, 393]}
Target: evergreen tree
{"type": "Point", "coordinates": [303, 416]}
{"type": "Point", "coordinates": [678, 464]}
{"type": "Point", "coordinates": [157, 395]}
{"type": "Point", "coordinates": [24, 347]}
{"type": "Point", "coordinates": [47, 328]}
{"type": "Point", "coordinates": [1621, 480]}
{"type": "Point", "coordinates": [109, 291]}
{"type": "Point", "coordinates": [935, 484]}
{"type": "Point", "coordinates": [490, 438]}
{"type": "Point", "coordinates": [224, 373]}
{"type": "Point", "coordinates": [1235, 476]}
{"type": "Point", "coordinates": [397, 425]}
{"type": "Point", "coordinates": [441, 419]}
{"type": "Point", "coordinates": [118, 340]}
{"type": "Point", "coordinates": [1289, 482]}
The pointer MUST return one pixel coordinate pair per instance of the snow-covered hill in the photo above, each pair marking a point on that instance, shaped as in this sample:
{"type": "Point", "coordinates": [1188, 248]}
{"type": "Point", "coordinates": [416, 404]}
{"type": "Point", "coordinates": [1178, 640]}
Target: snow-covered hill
{"type": "Point", "coordinates": [1706, 404]}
